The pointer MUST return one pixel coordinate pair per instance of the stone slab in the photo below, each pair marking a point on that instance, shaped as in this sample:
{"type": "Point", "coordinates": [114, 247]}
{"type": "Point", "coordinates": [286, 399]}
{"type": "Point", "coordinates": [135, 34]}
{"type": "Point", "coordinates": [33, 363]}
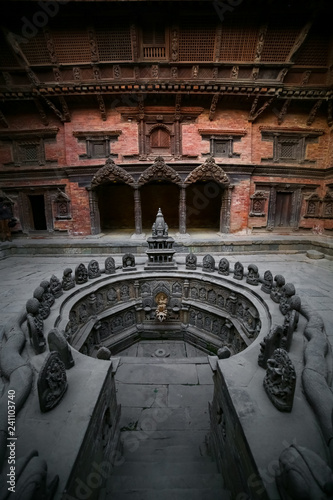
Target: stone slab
{"type": "Point", "coordinates": [205, 374]}
{"type": "Point", "coordinates": [157, 374]}
{"type": "Point", "coordinates": [314, 254]}
{"type": "Point", "coordinates": [143, 396]}
{"type": "Point", "coordinates": [187, 395]}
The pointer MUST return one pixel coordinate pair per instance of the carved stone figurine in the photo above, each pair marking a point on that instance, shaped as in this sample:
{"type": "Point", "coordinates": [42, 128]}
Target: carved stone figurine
{"type": "Point", "coordinates": [252, 277]}
{"type": "Point", "coordinates": [68, 282]}
{"type": "Point", "coordinates": [270, 342]}
{"type": "Point", "coordinates": [238, 271]}
{"type": "Point", "coordinates": [93, 270]}
{"type": "Point", "coordinates": [288, 290]}
{"type": "Point", "coordinates": [55, 287]}
{"type": "Point", "coordinates": [224, 266]}
{"type": "Point", "coordinates": [208, 264]}
{"type": "Point", "coordinates": [267, 283]}
{"type": "Point", "coordinates": [48, 296]}
{"type": "Point", "coordinates": [81, 274]}
{"type": "Point", "coordinates": [44, 307]}
{"type": "Point", "coordinates": [110, 267]}
{"type": "Point", "coordinates": [52, 382]}
{"type": "Point", "coordinates": [128, 262]}
{"type": "Point", "coordinates": [35, 326]}
{"type": "Point", "coordinates": [191, 261]}
{"type": "Point", "coordinates": [277, 288]}
{"type": "Point", "coordinates": [280, 380]}
{"type": "Point", "coordinates": [58, 343]}
{"type": "Point", "coordinates": [290, 321]}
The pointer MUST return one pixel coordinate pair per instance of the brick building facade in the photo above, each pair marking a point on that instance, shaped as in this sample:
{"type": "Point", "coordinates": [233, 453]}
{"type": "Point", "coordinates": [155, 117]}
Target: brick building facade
{"type": "Point", "coordinates": [218, 112]}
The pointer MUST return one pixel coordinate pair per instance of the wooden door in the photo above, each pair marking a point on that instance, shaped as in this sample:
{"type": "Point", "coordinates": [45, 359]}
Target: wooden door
{"type": "Point", "coordinates": [283, 209]}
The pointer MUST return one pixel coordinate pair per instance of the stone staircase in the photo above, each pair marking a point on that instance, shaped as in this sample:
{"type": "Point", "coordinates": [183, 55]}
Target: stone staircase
{"type": "Point", "coordinates": [168, 465]}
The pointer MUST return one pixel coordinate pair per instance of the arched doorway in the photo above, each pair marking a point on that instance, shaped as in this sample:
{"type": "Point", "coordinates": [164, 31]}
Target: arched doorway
{"type": "Point", "coordinates": [160, 194]}
{"type": "Point", "coordinates": [203, 205]}
{"type": "Point", "coordinates": [116, 206]}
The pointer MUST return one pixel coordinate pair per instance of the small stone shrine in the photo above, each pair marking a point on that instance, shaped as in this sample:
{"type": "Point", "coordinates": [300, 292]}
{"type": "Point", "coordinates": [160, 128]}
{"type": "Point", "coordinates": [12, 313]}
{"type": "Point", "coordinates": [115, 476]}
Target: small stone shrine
{"type": "Point", "coordinates": [160, 246]}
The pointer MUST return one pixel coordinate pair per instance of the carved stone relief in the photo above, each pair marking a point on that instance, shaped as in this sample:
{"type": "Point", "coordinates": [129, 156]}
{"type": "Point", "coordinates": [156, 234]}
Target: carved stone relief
{"type": "Point", "coordinates": [81, 274]}
{"type": "Point", "coordinates": [280, 380]}
{"type": "Point", "coordinates": [93, 270]}
{"type": "Point", "coordinates": [52, 382]}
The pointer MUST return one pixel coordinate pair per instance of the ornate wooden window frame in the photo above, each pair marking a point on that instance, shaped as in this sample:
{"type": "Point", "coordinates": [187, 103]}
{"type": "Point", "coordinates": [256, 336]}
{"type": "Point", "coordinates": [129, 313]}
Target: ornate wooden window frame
{"type": "Point", "coordinates": [93, 138]}
{"type": "Point", "coordinates": [327, 207]}
{"type": "Point", "coordinates": [313, 206]}
{"type": "Point", "coordinates": [296, 139]}
{"type": "Point", "coordinates": [62, 204]}
{"type": "Point", "coordinates": [20, 140]}
{"type": "Point", "coordinates": [220, 136]}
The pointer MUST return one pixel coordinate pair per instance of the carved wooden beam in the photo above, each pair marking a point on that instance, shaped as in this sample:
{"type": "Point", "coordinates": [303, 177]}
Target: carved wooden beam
{"type": "Point", "coordinates": [141, 107]}
{"type": "Point", "coordinates": [93, 45]}
{"type": "Point", "coordinates": [134, 42]}
{"type": "Point", "coordinates": [218, 37]}
{"type": "Point", "coordinates": [50, 46]}
{"type": "Point", "coordinates": [253, 113]}
{"type": "Point", "coordinates": [283, 112]}
{"type": "Point", "coordinates": [313, 112]}
{"type": "Point", "coordinates": [41, 112]}
{"type": "Point", "coordinates": [299, 40]}
{"type": "Point", "coordinates": [260, 42]}
{"type": "Point", "coordinates": [101, 106]}
{"type": "Point", "coordinates": [213, 105]}
{"type": "Point", "coordinates": [330, 113]}
{"type": "Point", "coordinates": [53, 108]}
{"type": "Point", "coordinates": [65, 108]}
{"type": "Point", "coordinates": [177, 106]}
{"type": "Point", "coordinates": [3, 120]}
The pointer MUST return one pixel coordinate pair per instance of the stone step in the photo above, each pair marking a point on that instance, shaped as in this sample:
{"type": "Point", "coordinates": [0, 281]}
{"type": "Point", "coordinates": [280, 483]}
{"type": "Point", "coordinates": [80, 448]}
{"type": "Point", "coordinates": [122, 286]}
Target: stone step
{"type": "Point", "coordinates": [170, 494]}
{"type": "Point", "coordinates": [151, 481]}
{"type": "Point", "coordinates": [192, 439]}
{"type": "Point", "coordinates": [166, 468]}
{"type": "Point", "coordinates": [156, 450]}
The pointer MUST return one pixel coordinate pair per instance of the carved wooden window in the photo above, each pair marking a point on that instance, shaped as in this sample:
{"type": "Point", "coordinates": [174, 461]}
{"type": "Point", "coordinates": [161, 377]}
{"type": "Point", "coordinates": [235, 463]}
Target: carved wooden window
{"type": "Point", "coordinates": [314, 51]}
{"type": "Point", "coordinates": [328, 206]}
{"type": "Point", "coordinates": [35, 50]}
{"type": "Point", "coordinates": [196, 42]}
{"type": "Point", "coordinates": [115, 44]}
{"type": "Point", "coordinates": [72, 46]}
{"type": "Point", "coordinates": [154, 41]}
{"type": "Point", "coordinates": [313, 203]}
{"type": "Point", "coordinates": [29, 152]}
{"type": "Point", "coordinates": [289, 147]}
{"type": "Point", "coordinates": [160, 141]}
{"type": "Point", "coordinates": [221, 145]}
{"type": "Point", "coordinates": [258, 204]}
{"type": "Point", "coordinates": [279, 41]}
{"type": "Point", "coordinates": [238, 43]}
{"type": "Point", "coordinates": [97, 145]}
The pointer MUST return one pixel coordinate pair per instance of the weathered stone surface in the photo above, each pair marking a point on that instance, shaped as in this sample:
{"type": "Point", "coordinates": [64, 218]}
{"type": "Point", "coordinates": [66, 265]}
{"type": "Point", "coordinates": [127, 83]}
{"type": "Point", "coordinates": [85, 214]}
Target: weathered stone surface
{"type": "Point", "coordinates": [280, 380]}
{"type": "Point", "coordinates": [103, 353]}
{"type": "Point", "coordinates": [58, 343]}
{"type": "Point", "coordinates": [314, 254]}
{"type": "Point", "coordinates": [52, 382]}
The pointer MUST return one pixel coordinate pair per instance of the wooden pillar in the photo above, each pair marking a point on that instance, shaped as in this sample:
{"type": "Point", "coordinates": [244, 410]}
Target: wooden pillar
{"type": "Point", "coordinates": [225, 210]}
{"type": "Point", "coordinates": [137, 211]}
{"type": "Point", "coordinates": [182, 210]}
{"type": "Point", "coordinates": [271, 208]}
{"type": "Point", "coordinates": [95, 220]}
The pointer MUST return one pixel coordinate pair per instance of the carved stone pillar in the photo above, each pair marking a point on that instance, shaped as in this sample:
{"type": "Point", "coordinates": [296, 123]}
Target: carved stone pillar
{"type": "Point", "coordinates": [182, 210]}
{"type": "Point", "coordinates": [225, 210]}
{"type": "Point", "coordinates": [271, 209]}
{"type": "Point", "coordinates": [94, 212]}
{"type": "Point", "coordinates": [137, 211]}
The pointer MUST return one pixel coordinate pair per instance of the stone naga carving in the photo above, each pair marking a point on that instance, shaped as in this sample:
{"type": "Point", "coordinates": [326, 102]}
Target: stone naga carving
{"type": "Point", "coordinates": [110, 266]}
{"type": "Point", "coordinates": [44, 307]}
{"type": "Point", "coordinates": [287, 291]}
{"type": "Point", "coordinates": [303, 475]}
{"type": "Point", "coordinates": [55, 287]}
{"type": "Point", "coordinates": [52, 382]}
{"type": "Point", "coordinates": [280, 380]}
{"type": "Point", "coordinates": [277, 288]}
{"type": "Point", "coordinates": [93, 270]}
{"type": "Point", "coordinates": [270, 342]}
{"type": "Point", "coordinates": [267, 283]}
{"type": "Point", "coordinates": [35, 326]}
{"type": "Point", "coordinates": [224, 267]}
{"type": "Point", "coordinates": [128, 262]}
{"type": "Point", "coordinates": [81, 274]}
{"type": "Point", "coordinates": [252, 275]}
{"type": "Point", "coordinates": [238, 271]}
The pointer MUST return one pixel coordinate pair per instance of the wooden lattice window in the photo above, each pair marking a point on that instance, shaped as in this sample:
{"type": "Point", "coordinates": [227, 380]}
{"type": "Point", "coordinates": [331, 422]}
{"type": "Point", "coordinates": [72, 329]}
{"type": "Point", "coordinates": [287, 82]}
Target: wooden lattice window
{"type": "Point", "coordinates": [72, 46]}
{"type": "Point", "coordinates": [314, 52]}
{"type": "Point", "coordinates": [160, 141]}
{"type": "Point", "coordinates": [154, 41]}
{"type": "Point", "coordinates": [97, 144]}
{"type": "Point", "coordinates": [196, 42]}
{"type": "Point", "coordinates": [238, 43]}
{"type": "Point", "coordinates": [35, 50]}
{"type": "Point", "coordinates": [221, 145]}
{"type": "Point", "coordinates": [29, 152]}
{"type": "Point", "coordinates": [279, 42]}
{"type": "Point", "coordinates": [115, 44]}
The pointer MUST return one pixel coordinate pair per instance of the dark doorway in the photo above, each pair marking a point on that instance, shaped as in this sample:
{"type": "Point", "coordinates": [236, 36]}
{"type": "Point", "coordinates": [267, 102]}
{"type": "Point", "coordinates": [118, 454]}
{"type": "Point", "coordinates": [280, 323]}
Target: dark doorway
{"type": "Point", "coordinates": [203, 205]}
{"type": "Point", "coordinates": [283, 209]}
{"type": "Point", "coordinates": [163, 195]}
{"type": "Point", "coordinates": [116, 206]}
{"type": "Point", "coordinates": [37, 203]}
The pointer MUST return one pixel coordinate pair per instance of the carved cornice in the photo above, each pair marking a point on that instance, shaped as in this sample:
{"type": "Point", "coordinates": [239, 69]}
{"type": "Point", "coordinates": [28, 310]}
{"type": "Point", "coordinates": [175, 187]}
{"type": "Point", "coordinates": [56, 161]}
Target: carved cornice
{"type": "Point", "coordinates": [298, 131]}
{"type": "Point", "coordinates": [109, 173]}
{"type": "Point", "coordinates": [159, 171]}
{"type": "Point", "coordinates": [80, 134]}
{"type": "Point", "coordinates": [223, 132]}
{"type": "Point", "coordinates": [208, 171]}
{"type": "Point", "coordinates": [29, 134]}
